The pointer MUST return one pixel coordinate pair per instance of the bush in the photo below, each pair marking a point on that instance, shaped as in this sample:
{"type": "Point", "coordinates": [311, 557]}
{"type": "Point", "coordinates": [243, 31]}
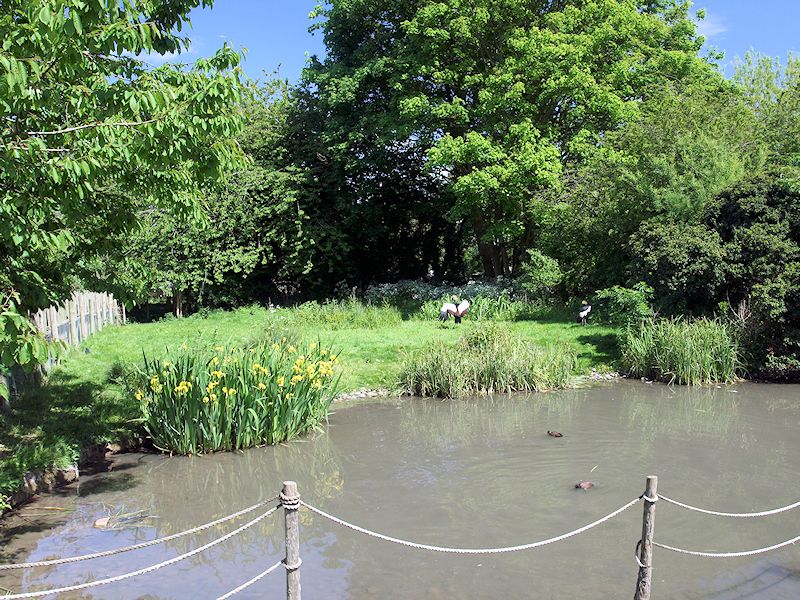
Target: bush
{"type": "Point", "coordinates": [680, 351]}
{"type": "Point", "coordinates": [345, 314]}
{"type": "Point", "coordinates": [219, 399]}
{"type": "Point", "coordinates": [540, 275]}
{"type": "Point", "coordinates": [487, 360]}
{"type": "Point", "coordinates": [415, 293]}
{"type": "Point", "coordinates": [624, 306]}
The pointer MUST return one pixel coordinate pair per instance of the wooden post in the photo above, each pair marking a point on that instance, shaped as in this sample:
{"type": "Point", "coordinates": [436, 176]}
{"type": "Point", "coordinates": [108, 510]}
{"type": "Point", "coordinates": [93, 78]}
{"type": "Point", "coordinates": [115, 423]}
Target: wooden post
{"type": "Point", "coordinates": [81, 312]}
{"type": "Point", "coordinates": [644, 549]}
{"type": "Point", "coordinates": [73, 335]}
{"type": "Point", "coordinates": [54, 323]}
{"type": "Point", "coordinates": [124, 316]}
{"type": "Point", "coordinates": [290, 500]}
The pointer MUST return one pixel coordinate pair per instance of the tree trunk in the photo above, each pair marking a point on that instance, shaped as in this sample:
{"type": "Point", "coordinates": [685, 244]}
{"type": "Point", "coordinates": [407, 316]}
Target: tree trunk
{"type": "Point", "coordinates": [177, 304]}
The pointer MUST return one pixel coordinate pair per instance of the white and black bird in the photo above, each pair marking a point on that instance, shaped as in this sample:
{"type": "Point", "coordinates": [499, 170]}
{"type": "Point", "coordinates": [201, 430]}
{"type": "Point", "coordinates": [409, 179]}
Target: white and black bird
{"type": "Point", "coordinates": [456, 310]}
{"type": "Point", "coordinates": [583, 313]}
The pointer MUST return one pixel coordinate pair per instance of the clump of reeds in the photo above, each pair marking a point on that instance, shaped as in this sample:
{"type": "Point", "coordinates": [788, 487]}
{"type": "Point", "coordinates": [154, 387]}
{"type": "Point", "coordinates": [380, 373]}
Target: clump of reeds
{"type": "Point", "coordinates": [202, 401]}
{"type": "Point", "coordinates": [487, 360]}
{"type": "Point", "coordinates": [681, 351]}
{"type": "Point", "coordinates": [345, 314]}
{"type": "Point", "coordinates": [484, 308]}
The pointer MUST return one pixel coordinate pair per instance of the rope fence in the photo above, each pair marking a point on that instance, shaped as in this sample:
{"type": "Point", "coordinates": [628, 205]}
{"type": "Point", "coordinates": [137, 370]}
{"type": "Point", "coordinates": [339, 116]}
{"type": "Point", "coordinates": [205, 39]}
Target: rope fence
{"type": "Point", "coordinates": [289, 500]}
{"type": "Point", "coordinates": [444, 549]}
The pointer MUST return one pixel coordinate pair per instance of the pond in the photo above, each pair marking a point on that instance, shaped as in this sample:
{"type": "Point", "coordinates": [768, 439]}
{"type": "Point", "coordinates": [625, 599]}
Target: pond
{"type": "Point", "coordinates": [475, 473]}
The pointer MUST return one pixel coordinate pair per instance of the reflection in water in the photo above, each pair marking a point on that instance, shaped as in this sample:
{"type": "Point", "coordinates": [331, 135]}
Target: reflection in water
{"type": "Point", "coordinates": [479, 472]}
{"type": "Point", "coordinates": [697, 410]}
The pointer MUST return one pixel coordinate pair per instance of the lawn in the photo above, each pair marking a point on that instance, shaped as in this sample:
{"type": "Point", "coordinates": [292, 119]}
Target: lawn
{"type": "Point", "coordinates": [84, 399]}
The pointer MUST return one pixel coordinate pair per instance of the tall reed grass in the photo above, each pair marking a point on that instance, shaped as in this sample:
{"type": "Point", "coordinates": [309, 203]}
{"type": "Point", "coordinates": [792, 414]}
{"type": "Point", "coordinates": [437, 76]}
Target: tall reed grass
{"type": "Point", "coordinates": [344, 314]}
{"type": "Point", "coordinates": [484, 308]}
{"type": "Point", "coordinates": [487, 360]}
{"type": "Point", "coordinates": [680, 351]}
{"type": "Point", "coordinates": [234, 398]}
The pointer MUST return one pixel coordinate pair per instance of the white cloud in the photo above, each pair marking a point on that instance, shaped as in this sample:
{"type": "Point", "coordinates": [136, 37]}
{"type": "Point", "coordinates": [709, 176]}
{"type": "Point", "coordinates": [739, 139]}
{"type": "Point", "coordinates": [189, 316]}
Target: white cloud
{"type": "Point", "coordinates": [711, 26]}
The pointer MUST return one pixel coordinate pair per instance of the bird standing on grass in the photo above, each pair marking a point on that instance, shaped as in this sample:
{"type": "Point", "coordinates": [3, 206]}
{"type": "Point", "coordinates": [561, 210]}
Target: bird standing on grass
{"type": "Point", "coordinates": [456, 310]}
{"type": "Point", "coordinates": [583, 313]}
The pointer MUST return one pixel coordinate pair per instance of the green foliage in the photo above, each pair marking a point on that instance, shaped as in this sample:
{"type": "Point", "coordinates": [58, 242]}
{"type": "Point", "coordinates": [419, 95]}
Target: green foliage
{"type": "Point", "coordinates": [89, 132]}
{"type": "Point", "coordinates": [199, 402]}
{"type": "Point", "coordinates": [345, 314]}
{"type": "Point", "coordinates": [33, 457]}
{"type": "Point", "coordinates": [680, 351]}
{"type": "Point", "coordinates": [540, 274]}
{"type": "Point", "coordinates": [502, 308]}
{"type": "Point", "coordinates": [623, 306]}
{"type": "Point", "coordinates": [684, 264]}
{"type": "Point", "coordinates": [21, 342]}
{"type": "Point", "coordinates": [489, 99]}
{"type": "Point", "coordinates": [759, 225]}
{"type": "Point", "coordinates": [489, 360]}
{"type": "Point", "coordinates": [251, 243]}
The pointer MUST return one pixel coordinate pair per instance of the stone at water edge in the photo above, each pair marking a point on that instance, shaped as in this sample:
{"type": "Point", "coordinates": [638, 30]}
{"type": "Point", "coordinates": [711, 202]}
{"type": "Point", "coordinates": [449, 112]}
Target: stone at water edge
{"type": "Point", "coordinates": [102, 522]}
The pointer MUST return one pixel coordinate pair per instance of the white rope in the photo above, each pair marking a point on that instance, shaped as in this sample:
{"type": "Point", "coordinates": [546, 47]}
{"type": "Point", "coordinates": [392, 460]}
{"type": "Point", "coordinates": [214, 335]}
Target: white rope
{"type": "Point", "coordinates": [174, 536]}
{"type": "Point", "coordinates": [764, 513]}
{"type": "Point", "coordinates": [729, 554]}
{"type": "Point", "coordinates": [247, 584]}
{"type": "Point", "coordinates": [150, 569]}
{"type": "Point", "coordinates": [387, 538]}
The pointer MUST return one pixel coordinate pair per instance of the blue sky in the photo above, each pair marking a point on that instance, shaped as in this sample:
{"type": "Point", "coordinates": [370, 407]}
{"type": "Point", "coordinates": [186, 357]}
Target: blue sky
{"type": "Point", "coordinates": [275, 32]}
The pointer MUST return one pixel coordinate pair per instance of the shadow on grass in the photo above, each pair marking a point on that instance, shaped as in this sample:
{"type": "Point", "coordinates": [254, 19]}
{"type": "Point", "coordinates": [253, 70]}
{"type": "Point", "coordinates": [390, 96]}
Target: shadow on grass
{"type": "Point", "coordinates": [51, 422]}
{"type": "Point", "coordinates": [606, 347]}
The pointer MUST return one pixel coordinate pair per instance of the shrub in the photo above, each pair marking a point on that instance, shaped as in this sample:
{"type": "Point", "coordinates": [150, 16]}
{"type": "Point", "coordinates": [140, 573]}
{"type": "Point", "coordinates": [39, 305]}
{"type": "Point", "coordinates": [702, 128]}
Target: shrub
{"type": "Point", "coordinates": [680, 351]}
{"type": "Point", "coordinates": [619, 305]}
{"type": "Point", "coordinates": [345, 314]}
{"type": "Point", "coordinates": [198, 402]}
{"type": "Point", "coordinates": [541, 274]}
{"type": "Point", "coordinates": [487, 360]}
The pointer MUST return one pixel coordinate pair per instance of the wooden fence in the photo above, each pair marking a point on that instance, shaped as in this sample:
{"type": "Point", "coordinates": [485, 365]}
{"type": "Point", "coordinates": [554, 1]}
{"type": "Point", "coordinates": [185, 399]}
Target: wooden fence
{"type": "Point", "coordinates": [77, 319]}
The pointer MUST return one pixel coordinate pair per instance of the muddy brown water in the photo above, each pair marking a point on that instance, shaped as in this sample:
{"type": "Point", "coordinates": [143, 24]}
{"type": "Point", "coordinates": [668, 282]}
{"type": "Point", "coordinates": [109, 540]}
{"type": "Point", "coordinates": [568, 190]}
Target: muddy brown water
{"type": "Point", "coordinates": [473, 473]}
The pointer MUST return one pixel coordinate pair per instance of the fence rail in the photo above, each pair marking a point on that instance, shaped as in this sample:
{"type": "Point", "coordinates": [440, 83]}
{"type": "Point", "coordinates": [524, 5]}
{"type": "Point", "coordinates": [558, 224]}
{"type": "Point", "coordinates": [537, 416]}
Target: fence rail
{"type": "Point", "coordinates": [79, 317]}
{"type": "Point", "coordinates": [289, 500]}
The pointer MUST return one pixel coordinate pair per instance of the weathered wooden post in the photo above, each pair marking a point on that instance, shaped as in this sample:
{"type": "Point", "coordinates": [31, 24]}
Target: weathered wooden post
{"type": "Point", "coordinates": [644, 549]}
{"type": "Point", "coordinates": [290, 500]}
{"type": "Point", "coordinates": [54, 323]}
{"type": "Point", "coordinates": [84, 330]}
{"type": "Point", "coordinates": [73, 336]}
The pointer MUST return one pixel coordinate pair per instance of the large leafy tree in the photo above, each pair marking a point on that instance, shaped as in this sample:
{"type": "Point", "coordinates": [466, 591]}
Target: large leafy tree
{"type": "Point", "coordinates": [88, 132]}
{"type": "Point", "coordinates": [252, 244]}
{"type": "Point", "coordinates": [497, 95]}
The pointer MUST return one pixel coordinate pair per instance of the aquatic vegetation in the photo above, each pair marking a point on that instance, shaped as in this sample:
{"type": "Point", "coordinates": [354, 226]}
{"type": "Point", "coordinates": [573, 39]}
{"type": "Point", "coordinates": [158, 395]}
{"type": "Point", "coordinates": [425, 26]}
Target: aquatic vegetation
{"type": "Point", "coordinates": [682, 351]}
{"type": "Point", "coordinates": [195, 402]}
{"type": "Point", "coordinates": [487, 360]}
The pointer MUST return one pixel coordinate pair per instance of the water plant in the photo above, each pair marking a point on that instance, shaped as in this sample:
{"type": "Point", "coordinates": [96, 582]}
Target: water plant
{"type": "Point", "coordinates": [194, 402]}
{"type": "Point", "coordinates": [681, 351]}
{"type": "Point", "coordinates": [486, 360]}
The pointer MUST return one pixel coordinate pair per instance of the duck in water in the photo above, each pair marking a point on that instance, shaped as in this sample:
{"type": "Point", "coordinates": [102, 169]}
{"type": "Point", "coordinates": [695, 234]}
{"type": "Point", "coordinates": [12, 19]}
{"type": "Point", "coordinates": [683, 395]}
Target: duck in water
{"type": "Point", "coordinates": [584, 485]}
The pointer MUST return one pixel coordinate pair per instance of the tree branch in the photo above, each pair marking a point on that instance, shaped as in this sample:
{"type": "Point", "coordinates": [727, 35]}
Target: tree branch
{"type": "Point", "coordinates": [93, 125]}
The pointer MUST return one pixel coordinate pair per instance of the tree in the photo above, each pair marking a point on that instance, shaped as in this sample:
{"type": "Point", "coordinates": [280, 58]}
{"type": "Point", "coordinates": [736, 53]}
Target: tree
{"type": "Point", "coordinates": [252, 243]}
{"type": "Point", "coordinates": [88, 131]}
{"type": "Point", "coordinates": [496, 96]}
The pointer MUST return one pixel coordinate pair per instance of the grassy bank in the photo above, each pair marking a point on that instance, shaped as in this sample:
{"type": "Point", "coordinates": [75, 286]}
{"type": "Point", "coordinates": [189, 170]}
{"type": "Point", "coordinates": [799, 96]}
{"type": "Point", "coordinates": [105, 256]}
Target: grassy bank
{"type": "Point", "coordinates": [84, 400]}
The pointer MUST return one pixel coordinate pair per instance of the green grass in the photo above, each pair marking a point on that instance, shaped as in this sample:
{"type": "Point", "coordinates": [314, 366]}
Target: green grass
{"type": "Point", "coordinates": [680, 351]}
{"type": "Point", "coordinates": [490, 359]}
{"type": "Point", "coordinates": [84, 400]}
